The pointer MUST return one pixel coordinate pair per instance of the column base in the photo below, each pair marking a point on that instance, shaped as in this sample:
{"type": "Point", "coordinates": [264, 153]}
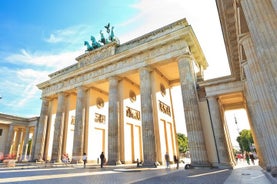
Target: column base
{"type": "Point", "coordinates": [274, 171]}
{"type": "Point", "coordinates": [58, 161]}
{"type": "Point", "coordinates": [40, 161]}
{"type": "Point", "coordinates": [222, 165]}
{"type": "Point", "coordinates": [151, 164]}
{"type": "Point", "coordinates": [77, 161]}
{"type": "Point", "coordinates": [200, 164]}
{"type": "Point", "coordinates": [118, 162]}
{"type": "Point", "coordinates": [25, 160]}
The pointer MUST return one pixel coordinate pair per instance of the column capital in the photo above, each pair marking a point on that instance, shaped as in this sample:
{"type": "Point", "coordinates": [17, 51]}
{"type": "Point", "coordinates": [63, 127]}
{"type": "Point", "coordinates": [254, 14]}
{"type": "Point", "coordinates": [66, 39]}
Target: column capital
{"type": "Point", "coordinates": [44, 98]}
{"type": "Point", "coordinates": [148, 68]}
{"type": "Point", "coordinates": [80, 88]}
{"type": "Point", "coordinates": [114, 78]}
{"type": "Point", "coordinates": [27, 128]}
{"type": "Point", "coordinates": [186, 56]}
{"type": "Point", "coordinates": [62, 94]}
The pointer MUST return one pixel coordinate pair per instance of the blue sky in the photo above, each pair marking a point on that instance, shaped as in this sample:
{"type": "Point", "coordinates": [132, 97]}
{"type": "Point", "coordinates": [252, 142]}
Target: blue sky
{"type": "Point", "coordinates": [40, 37]}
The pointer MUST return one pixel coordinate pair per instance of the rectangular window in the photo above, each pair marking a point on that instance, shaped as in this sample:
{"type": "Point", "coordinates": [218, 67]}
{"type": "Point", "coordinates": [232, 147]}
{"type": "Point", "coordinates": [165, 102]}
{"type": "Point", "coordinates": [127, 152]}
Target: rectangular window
{"type": "Point", "coordinates": [1, 130]}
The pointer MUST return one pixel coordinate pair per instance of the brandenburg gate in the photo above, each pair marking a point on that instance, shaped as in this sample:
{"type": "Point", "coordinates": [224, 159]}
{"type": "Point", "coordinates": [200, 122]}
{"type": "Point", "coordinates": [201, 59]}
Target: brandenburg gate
{"type": "Point", "coordinates": [117, 99]}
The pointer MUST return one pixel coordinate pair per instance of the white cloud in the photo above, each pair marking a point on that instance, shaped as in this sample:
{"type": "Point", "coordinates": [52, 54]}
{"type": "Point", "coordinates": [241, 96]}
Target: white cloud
{"type": "Point", "coordinates": [54, 61]}
{"type": "Point", "coordinates": [68, 35]}
{"type": "Point", "coordinates": [53, 39]}
{"type": "Point", "coordinates": [29, 75]}
{"type": "Point", "coordinates": [19, 86]}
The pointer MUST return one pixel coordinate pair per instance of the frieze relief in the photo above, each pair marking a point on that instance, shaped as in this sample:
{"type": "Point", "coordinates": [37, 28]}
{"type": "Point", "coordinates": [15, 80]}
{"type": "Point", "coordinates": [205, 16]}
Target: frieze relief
{"type": "Point", "coordinates": [164, 108]}
{"type": "Point", "coordinates": [97, 55]}
{"type": "Point", "coordinates": [130, 62]}
{"type": "Point", "coordinates": [132, 113]}
{"type": "Point", "coordinates": [99, 118]}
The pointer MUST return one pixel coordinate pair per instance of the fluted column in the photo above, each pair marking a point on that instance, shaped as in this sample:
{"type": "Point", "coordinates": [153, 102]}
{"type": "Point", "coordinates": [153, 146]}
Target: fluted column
{"type": "Point", "coordinates": [17, 143]}
{"type": "Point", "coordinates": [41, 132]}
{"type": "Point", "coordinates": [58, 129]}
{"type": "Point", "coordinates": [10, 139]}
{"type": "Point", "coordinates": [262, 27]}
{"type": "Point", "coordinates": [147, 120]}
{"type": "Point", "coordinates": [253, 113]}
{"type": "Point", "coordinates": [220, 140]}
{"type": "Point", "coordinates": [34, 138]}
{"type": "Point", "coordinates": [25, 146]}
{"type": "Point", "coordinates": [265, 106]}
{"type": "Point", "coordinates": [175, 136]}
{"type": "Point", "coordinates": [78, 140]}
{"type": "Point", "coordinates": [113, 124]}
{"type": "Point", "coordinates": [191, 111]}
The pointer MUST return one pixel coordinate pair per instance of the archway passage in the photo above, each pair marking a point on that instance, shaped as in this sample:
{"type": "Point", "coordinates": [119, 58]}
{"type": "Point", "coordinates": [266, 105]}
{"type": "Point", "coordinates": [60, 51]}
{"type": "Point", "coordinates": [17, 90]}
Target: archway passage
{"type": "Point", "coordinates": [235, 120]}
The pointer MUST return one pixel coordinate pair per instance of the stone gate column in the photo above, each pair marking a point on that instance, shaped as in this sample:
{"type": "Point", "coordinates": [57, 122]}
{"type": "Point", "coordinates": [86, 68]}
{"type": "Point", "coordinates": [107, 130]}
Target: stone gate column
{"type": "Point", "coordinates": [34, 139]}
{"type": "Point", "coordinates": [147, 121]}
{"type": "Point", "coordinates": [257, 84]}
{"type": "Point", "coordinates": [220, 139]}
{"type": "Point", "coordinates": [78, 140]}
{"type": "Point", "coordinates": [262, 27]}
{"type": "Point", "coordinates": [113, 123]}
{"type": "Point", "coordinates": [254, 119]}
{"type": "Point", "coordinates": [174, 136]}
{"type": "Point", "coordinates": [25, 146]}
{"type": "Point", "coordinates": [17, 143]}
{"type": "Point", "coordinates": [261, 19]}
{"type": "Point", "coordinates": [191, 110]}
{"type": "Point", "coordinates": [10, 140]}
{"type": "Point", "coordinates": [41, 132]}
{"type": "Point", "coordinates": [58, 129]}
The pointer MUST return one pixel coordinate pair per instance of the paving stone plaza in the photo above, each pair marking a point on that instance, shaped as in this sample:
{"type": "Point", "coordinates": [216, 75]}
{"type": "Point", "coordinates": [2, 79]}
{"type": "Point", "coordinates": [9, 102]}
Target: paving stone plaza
{"type": "Point", "coordinates": [41, 174]}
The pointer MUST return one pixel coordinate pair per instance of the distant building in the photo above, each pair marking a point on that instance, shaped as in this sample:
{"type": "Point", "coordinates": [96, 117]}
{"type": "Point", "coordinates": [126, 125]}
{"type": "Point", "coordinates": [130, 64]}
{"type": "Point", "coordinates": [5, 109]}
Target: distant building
{"type": "Point", "coordinates": [15, 134]}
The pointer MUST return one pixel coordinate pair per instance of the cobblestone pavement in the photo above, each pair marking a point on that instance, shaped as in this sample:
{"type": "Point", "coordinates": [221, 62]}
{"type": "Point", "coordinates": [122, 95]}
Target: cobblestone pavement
{"type": "Point", "coordinates": [117, 175]}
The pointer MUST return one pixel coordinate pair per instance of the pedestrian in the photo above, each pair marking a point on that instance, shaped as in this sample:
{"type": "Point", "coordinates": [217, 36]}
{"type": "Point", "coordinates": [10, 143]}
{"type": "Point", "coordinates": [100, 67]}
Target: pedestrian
{"type": "Point", "coordinates": [176, 160]}
{"type": "Point", "coordinates": [85, 159]}
{"type": "Point", "coordinates": [102, 158]}
{"type": "Point", "coordinates": [247, 158]}
{"type": "Point", "coordinates": [252, 158]}
{"type": "Point", "coordinates": [166, 156]}
{"type": "Point", "coordinates": [64, 159]}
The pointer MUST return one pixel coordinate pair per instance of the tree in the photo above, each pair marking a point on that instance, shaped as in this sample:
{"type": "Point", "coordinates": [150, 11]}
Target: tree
{"type": "Point", "coordinates": [182, 142]}
{"type": "Point", "coordinates": [245, 140]}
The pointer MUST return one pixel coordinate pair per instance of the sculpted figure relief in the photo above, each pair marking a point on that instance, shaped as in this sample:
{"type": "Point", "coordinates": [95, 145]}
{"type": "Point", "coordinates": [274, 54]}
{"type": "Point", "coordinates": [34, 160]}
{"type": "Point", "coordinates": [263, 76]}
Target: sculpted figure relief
{"type": "Point", "coordinates": [103, 41]}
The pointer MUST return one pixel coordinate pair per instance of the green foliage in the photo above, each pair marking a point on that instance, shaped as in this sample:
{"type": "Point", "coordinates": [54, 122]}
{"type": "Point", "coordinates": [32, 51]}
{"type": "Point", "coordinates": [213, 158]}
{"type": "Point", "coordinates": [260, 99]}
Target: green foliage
{"type": "Point", "coordinates": [182, 142]}
{"type": "Point", "coordinates": [245, 140]}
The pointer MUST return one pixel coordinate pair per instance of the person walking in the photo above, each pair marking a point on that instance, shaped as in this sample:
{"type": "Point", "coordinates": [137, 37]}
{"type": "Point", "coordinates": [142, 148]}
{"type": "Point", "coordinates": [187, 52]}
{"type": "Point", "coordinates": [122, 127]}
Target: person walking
{"type": "Point", "coordinates": [247, 158]}
{"type": "Point", "coordinates": [176, 160]}
{"type": "Point", "coordinates": [85, 159]}
{"type": "Point", "coordinates": [166, 156]}
{"type": "Point", "coordinates": [102, 158]}
{"type": "Point", "coordinates": [252, 158]}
